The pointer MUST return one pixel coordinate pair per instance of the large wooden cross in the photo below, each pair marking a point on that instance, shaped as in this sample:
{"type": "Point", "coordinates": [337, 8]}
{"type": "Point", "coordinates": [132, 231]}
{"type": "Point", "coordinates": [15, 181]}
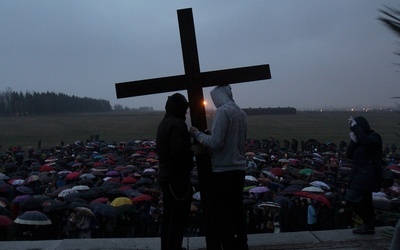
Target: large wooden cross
{"type": "Point", "coordinates": [193, 81]}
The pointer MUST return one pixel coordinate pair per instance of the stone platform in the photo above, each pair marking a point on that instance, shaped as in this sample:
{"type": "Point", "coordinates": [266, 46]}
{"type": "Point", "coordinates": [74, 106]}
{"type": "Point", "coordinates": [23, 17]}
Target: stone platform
{"type": "Point", "coordinates": [333, 239]}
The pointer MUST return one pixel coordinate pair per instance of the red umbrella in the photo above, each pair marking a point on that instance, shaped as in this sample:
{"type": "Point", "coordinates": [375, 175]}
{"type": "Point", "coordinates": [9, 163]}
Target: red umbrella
{"type": "Point", "coordinates": [143, 197]}
{"type": "Point", "coordinates": [100, 200]}
{"type": "Point", "coordinates": [5, 221]}
{"type": "Point", "coordinates": [119, 168]}
{"type": "Point", "coordinates": [395, 168]}
{"type": "Point", "coordinates": [98, 164]}
{"type": "Point", "coordinates": [313, 196]}
{"type": "Point", "coordinates": [46, 168]}
{"type": "Point", "coordinates": [277, 171]}
{"type": "Point", "coordinates": [73, 175]}
{"type": "Point", "coordinates": [125, 188]}
{"type": "Point", "coordinates": [129, 180]}
{"type": "Point", "coordinates": [5, 188]}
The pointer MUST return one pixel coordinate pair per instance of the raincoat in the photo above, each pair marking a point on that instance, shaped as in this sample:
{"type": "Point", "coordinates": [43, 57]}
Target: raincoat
{"type": "Point", "coordinates": [228, 132]}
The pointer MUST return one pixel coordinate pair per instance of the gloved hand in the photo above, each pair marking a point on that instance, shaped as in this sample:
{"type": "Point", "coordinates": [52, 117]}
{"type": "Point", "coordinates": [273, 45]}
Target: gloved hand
{"type": "Point", "coordinates": [353, 137]}
{"type": "Point", "coordinates": [352, 122]}
{"type": "Point", "coordinates": [193, 131]}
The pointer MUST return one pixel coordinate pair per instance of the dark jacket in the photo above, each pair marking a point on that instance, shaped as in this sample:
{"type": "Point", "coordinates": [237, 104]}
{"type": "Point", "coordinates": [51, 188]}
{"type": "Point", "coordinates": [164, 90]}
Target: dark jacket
{"type": "Point", "coordinates": [366, 154]}
{"type": "Point", "coordinates": [173, 149]}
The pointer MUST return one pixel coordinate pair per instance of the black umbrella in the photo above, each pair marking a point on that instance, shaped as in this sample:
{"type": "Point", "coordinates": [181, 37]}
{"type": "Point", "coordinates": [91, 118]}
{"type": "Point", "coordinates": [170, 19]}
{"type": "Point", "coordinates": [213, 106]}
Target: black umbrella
{"type": "Point", "coordinates": [54, 206]}
{"type": "Point", "coordinates": [5, 211]}
{"type": "Point", "coordinates": [111, 185]}
{"type": "Point", "coordinates": [90, 195]}
{"type": "Point", "coordinates": [24, 190]}
{"type": "Point", "coordinates": [79, 203]}
{"type": "Point", "coordinates": [105, 210]}
{"type": "Point", "coordinates": [10, 166]}
{"type": "Point", "coordinates": [72, 197]}
{"type": "Point", "coordinates": [33, 218]}
{"type": "Point", "coordinates": [31, 204]}
{"type": "Point", "coordinates": [143, 182]}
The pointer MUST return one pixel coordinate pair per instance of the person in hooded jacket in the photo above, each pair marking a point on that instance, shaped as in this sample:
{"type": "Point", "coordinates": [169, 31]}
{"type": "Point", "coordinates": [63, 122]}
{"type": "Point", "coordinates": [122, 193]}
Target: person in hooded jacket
{"type": "Point", "coordinates": [175, 165]}
{"type": "Point", "coordinates": [365, 150]}
{"type": "Point", "coordinates": [225, 226]}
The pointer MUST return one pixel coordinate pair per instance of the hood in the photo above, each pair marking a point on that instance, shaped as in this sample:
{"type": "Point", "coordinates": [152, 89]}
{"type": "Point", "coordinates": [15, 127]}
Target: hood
{"type": "Point", "coordinates": [177, 105]}
{"type": "Point", "coordinates": [363, 123]}
{"type": "Point", "coordinates": [221, 95]}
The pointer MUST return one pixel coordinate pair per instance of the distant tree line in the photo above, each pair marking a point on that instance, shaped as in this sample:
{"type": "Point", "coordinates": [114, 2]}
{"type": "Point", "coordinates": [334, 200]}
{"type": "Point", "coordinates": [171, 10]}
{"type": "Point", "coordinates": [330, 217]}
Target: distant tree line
{"type": "Point", "coordinates": [17, 103]}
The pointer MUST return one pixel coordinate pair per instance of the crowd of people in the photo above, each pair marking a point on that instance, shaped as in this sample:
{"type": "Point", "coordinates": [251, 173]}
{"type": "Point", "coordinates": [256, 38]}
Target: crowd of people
{"type": "Point", "coordinates": [96, 189]}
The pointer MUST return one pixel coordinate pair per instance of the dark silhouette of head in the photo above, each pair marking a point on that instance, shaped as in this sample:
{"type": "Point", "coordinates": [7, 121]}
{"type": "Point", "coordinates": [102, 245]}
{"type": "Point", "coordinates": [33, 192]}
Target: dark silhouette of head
{"type": "Point", "coordinates": [177, 105]}
{"type": "Point", "coordinates": [363, 123]}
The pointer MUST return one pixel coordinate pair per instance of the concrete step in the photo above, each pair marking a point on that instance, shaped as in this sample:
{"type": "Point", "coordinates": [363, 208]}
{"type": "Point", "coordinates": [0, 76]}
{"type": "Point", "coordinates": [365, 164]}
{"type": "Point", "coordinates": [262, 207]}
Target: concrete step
{"type": "Point", "coordinates": [331, 239]}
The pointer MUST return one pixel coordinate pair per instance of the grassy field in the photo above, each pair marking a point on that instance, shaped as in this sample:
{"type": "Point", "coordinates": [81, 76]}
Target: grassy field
{"type": "Point", "coordinates": [115, 127]}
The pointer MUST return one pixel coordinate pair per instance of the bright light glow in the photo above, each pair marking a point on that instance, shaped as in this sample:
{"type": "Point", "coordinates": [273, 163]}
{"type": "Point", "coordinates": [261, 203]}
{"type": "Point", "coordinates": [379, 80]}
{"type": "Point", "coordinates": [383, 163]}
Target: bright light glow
{"type": "Point", "coordinates": [204, 103]}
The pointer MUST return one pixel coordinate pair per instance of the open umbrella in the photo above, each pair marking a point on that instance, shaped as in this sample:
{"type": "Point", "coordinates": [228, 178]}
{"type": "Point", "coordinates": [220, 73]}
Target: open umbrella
{"type": "Point", "coordinates": [80, 187]}
{"type": "Point", "coordinates": [5, 188]}
{"type": "Point", "coordinates": [103, 200]}
{"type": "Point", "coordinates": [24, 190]}
{"type": "Point", "coordinates": [30, 204]}
{"type": "Point", "coordinates": [32, 178]}
{"type": "Point", "coordinates": [46, 168]}
{"type": "Point", "coordinates": [5, 221]}
{"type": "Point", "coordinates": [54, 206]}
{"type": "Point", "coordinates": [112, 173]}
{"type": "Point", "coordinates": [250, 178]}
{"type": "Point", "coordinates": [33, 218]}
{"type": "Point", "coordinates": [121, 201]}
{"type": "Point", "coordinates": [84, 211]}
{"type": "Point", "coordinates": [144, 181]}
{"type": "Point", "coordinates": [320, 184]}
{"type": "Point", "coordinates": [72, 197]}
{"type": "Point", "coordinates": [4, 177]}
{"type": "Point", "coordinates": [268, 204]}
{"type": "Point", "coordinates": [87, 176]}
{"type": "Point", "coordinates": [275, 186]}
{"type": "Point", "coordinates": [283, 201]}
{"type": "Point", "coordinates": [314, 196]}
{"type": "Point", "coordinates": [5, 211]}
{"type": "Point", "coordinates": [269, 174]}
{"type": "Point", "coordinates": [313, 189]}
{"type": "Point", "coordinates": [18, 199]}
{"type": "Point", "coordinates": [143, 197]}
{"type": "Point", "coordinates": [66, 192]}
{"type": "Point", "coordinates": [306, 171]}
{"type": "Point", "coordinates": [64, 172]}
{"type": "Point", "coordinates": [277, 171]}
{"type": "Point", "coordinates": [105, 210]}
{"type": "Point", "coordinates": [247, 188]}
{"type": "Point", "coordinates": [129, 180]}
{"type": "Point", "coordinates": [258, 190]}
{"type": "Point", "coordinates": [16, 182]}
{"type": "Point", "coordinates": [73, 176]}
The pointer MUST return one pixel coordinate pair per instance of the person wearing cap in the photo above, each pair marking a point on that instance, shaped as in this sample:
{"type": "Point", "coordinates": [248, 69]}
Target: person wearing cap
{"type": "Point", "coordinates": [175, 165]}
{"type": "Point", "coordinates": [225, 226]}
{"type": "Point", "coordinates": [365, 150]}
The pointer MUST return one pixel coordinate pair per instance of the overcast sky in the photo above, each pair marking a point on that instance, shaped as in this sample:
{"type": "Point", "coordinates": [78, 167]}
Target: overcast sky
{"type": "Point", "coordinates": [321, 53]}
